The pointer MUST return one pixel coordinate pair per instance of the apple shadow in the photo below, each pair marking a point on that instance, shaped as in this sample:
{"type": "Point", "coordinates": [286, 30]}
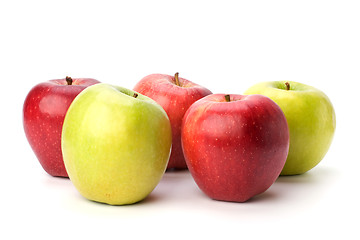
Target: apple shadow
{"type": "Point", "coordinates": [294, 183]}
{"type": "Point", "coordinates": [312, 184]}
{"type": "Point", "coordinates": [176, 176]}
{"type": "Point", "coordinates": [268, 195]}
{"type": "Point", "coordinates": [55, 181]}
{"type": "Point", "coordinates": [313, 176]}
{"type": "Point", "coordinates": [265, 196]}
{"type": "Point", "coordinates": [150, 199]}
{"type": "Point", "coordinates": [141, 202]}
{"type": "Point", "coordinates": [167, 188]}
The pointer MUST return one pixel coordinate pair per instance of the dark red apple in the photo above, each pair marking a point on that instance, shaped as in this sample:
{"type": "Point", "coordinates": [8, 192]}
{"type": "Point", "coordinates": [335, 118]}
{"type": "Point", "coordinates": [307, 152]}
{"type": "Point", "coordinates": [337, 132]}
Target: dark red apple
{"type": "Point", "coordinates": [43, 114]}
{"type": "Point", "coordinates": [175, 95]}
{"type": "Point", "coordinates": [235, 146]}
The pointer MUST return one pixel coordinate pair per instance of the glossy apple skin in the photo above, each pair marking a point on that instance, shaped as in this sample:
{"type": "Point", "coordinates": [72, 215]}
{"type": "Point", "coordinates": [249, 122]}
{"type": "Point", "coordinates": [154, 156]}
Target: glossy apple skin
{"type": "Point", "coordinates": [44, 110]}
{"type": "Point", "coordinates": [235, 150]}
{"type": "Point", "coordinates": [311, 118]}
{"type": "Point", "coordinates": [175, 100]}
{"type": "Point", "coordinates": [116, 147]}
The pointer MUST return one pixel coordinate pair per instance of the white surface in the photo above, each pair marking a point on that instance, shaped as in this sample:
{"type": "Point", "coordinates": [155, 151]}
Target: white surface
{"type": "Point", "coordinates": [226, 47]}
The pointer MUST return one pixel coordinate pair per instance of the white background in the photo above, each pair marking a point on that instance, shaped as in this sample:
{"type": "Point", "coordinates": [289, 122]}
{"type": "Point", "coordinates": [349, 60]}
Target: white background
{"type": "Point", "coordinates": [226, 46]}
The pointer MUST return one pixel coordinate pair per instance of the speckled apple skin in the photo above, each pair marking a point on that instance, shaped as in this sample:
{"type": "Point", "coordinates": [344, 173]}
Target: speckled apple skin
{"type": "Point", "coordinates": [44, 111]}
{"type": "Point", "coordinates": [115, 146]}
{"type": "Point", "coordinates": [235, 150]}
{"type": "Point", "coordinates": [175, 100]}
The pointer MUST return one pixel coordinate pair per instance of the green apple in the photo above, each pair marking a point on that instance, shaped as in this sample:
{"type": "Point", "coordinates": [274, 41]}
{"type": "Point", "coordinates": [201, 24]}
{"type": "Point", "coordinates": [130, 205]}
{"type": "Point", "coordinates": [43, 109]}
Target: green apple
{"type": "Point", "coordinates": [116, 144]}
{"type": "Point", "coordinates": [311, 119]}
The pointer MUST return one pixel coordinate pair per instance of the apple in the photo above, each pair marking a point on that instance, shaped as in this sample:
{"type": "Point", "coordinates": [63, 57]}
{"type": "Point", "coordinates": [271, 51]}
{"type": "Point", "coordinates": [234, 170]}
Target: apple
{"type": "Point", "coordinates": [116, 144]}
{"type": "Point", "coordinates": [235, 146]}
{"type": "Point", "coordinates": [311, 119]}
{"type": "Point", "coordinates": [44, 110]}
{"type": "Point", "coordinates": [175, 95]}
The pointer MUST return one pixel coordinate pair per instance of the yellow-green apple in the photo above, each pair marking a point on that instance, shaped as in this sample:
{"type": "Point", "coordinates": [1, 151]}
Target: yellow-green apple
{"type": "Point", "coordinates": [311, 119]}
{"type": "Point", "coordinates": [116, 144]}
{"type": "Point", "coordinates": [44, 110]}
{"type": "Point", "coordinates": [235, 146]}
{"type": "Point", "coordinates": [175, 95]}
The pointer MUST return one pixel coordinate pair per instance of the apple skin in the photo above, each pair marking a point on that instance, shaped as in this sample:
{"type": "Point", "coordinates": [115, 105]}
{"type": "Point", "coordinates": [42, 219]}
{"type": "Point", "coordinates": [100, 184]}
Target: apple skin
{"type": "Point", "coordinates": [115, 146]}
{"type": "Point", "coordinates": [175, 100]}
{"type": "Point", "coordinates": [311, 119]}
{"type": "Point", "coordinates": [235, 150]}
{"type": "Point", "coordinates": [44, 111]}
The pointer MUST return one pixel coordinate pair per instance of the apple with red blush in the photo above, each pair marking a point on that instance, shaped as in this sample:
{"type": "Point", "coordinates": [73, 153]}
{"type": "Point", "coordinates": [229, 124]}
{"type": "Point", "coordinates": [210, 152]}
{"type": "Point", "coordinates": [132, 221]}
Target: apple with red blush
{"type": "Point", "coordinates": [235, 146]}
{"type": "Point", "coordinates": [44, 111]}
{"type": "Point", "coordinates": [175, 95]}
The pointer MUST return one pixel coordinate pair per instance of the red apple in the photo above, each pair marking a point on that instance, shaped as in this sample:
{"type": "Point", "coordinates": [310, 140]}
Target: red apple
{"type": "Point", "coordinates": [175, 95]}
{"type": "Point", "coordinates": [235, 146]}
{"type": "Point", "coordinates": [43, 114]}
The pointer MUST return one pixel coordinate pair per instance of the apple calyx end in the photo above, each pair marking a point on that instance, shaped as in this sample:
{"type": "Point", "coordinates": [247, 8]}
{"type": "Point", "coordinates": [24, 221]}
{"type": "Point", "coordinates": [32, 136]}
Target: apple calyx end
{"type": "Point", "coordinates": [135, 95]}
{"type": "Point", "coordinates": [69, 80]}
{"type": "Point", "coordinates": [227, 98]}
{"type": "Point", "coordinates": [287, 86]}
{"type": "Point", "coordinates": [177, 82]}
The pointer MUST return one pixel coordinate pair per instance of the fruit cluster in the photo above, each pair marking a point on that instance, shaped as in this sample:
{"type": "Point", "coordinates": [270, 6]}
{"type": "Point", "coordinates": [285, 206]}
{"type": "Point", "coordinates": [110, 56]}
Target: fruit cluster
{"type": "Point", "coordinates": [115, 144]}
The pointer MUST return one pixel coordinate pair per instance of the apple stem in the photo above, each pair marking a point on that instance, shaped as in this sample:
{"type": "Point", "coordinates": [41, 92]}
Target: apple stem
{"type": "Point", "coordinates": [287, 84]}
{"type": "Point", "coordinates": [177, 79]}
{"type": "Point", "coordinates": [227, 98]}
{"type": "Point", "coordinates": [69, 80]}
{"type": "Point", "coordinates": [135, 95]}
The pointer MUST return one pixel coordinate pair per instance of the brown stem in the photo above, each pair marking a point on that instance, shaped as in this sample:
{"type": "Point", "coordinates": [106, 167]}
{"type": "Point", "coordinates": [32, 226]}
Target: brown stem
{"type": "Point", "coordinates": [69, 80]}
{"type": "Point", "coordinates": [287, 84]}
{"type": "Point", "coordinates": [177, 82]}
{"type": "Point", "coordinates": [227, 98]}
{"type": "Point", "coordinates": [135, 95]}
